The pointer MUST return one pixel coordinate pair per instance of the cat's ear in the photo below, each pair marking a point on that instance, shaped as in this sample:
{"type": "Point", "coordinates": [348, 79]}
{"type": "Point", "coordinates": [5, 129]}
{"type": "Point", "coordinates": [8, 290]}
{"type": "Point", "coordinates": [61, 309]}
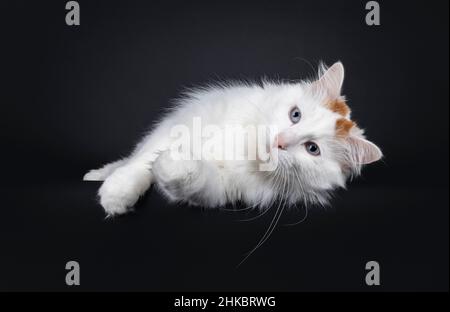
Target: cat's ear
{"type": "Point", "coordinates": [362, 151]}
{"type": "Point", "coordinates": [330, 80]}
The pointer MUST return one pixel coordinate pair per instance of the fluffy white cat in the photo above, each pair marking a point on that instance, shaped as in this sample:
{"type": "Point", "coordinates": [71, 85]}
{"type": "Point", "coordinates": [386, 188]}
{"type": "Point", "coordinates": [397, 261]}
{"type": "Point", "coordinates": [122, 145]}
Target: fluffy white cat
{"type": "Point", "coordinates": [314, 148]}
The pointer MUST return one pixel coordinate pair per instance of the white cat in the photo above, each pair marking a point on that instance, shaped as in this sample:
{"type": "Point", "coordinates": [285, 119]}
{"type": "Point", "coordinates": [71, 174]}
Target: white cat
{"type": "Point", "coordinates": [317, 148]}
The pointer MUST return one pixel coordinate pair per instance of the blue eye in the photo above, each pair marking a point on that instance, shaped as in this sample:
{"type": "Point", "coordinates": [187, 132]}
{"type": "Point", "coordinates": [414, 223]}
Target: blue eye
{"type": "Point", "coordinates": [295, 115]}
{"type": "Point", "coordinates": [312, 148]}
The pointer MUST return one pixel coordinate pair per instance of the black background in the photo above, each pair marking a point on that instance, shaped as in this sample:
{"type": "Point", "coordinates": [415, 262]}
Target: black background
{"type": "Point", "coordinates": [74, 98]}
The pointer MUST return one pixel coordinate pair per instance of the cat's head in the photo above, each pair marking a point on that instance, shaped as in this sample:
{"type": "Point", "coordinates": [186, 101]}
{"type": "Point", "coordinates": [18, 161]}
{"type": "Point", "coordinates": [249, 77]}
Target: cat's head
{"type": "Point", "coordinates": [319, 147]}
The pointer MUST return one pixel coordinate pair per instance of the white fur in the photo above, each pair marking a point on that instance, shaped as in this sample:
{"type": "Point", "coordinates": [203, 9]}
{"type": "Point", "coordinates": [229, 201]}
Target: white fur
{"type": "Point", "coordinates": [300, 177]}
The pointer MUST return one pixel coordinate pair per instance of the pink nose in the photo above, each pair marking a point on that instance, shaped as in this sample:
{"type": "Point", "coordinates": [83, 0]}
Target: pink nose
{"type": "Point", "coordinates": [280, 142]}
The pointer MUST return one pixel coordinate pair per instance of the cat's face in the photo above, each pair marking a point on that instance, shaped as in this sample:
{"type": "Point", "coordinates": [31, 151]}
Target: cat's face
{"type": "Point", "coordinates": [318, 145]}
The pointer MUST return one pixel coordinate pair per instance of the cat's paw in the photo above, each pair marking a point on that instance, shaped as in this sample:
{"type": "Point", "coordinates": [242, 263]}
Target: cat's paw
{"type": "Point", "coordinates": [115, 207]}
{"type": "Point", "coordinates": [167, 169]}
{"type": "Point", "coordinates": [117, 194]}
{"type": "Point", "coordinates": [94, 175]}
{"type": "Point", "coordinates": [121, 190]}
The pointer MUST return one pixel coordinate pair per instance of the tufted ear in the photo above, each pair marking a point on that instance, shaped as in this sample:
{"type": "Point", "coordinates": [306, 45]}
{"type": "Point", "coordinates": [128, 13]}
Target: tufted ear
{"type": "Point", "coordinates": [330, 81]}
{"type": "Point", "coordinates": [362, 151]}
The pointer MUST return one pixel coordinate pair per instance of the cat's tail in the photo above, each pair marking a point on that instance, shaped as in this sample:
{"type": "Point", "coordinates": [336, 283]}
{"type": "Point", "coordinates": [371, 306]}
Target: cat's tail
{"type": "Point", "coordinates": [102, 173]}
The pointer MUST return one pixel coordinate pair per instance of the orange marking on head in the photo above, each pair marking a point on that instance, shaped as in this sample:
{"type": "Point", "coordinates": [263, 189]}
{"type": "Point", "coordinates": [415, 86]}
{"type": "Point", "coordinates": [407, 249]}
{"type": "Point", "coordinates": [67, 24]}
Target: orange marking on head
{"type": "Point", "coordinates": [339, 106]}
{"type": "Point", "coordinates": [343, 127]}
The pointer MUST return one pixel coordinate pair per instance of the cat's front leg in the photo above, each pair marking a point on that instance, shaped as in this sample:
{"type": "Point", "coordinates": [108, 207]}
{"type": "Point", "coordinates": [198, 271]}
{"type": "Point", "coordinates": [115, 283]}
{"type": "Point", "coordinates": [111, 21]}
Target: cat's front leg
{"type": "Point", "coordinates": [197, 182]}
{"type": "Point", "coordinates": [124, 186]}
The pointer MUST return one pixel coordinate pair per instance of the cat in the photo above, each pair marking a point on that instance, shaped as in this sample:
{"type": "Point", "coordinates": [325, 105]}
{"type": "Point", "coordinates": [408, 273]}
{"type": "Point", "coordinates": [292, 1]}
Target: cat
{"type": "Point", "coordinates": [313, 150]}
